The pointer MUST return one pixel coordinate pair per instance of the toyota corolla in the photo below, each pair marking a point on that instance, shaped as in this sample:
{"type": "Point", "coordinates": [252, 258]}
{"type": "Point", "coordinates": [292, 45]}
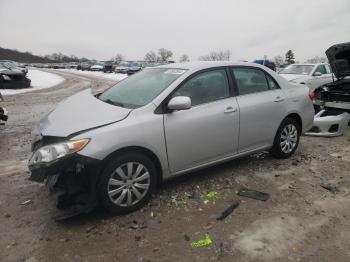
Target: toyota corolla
{"type": "Point", "coordinates": [116, 147]}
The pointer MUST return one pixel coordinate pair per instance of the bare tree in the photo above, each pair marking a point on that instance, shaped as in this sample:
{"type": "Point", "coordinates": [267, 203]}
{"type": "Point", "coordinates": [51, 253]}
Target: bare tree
{"type": "Point", "coordinates": [217, 56]}
{"type": "Point", "coordinates": [118, 58]}
{"type": "Point", "coordinates": [184, 58]}
{"type": "Point", "coordinates": [278, 60]}
{"type": "Point", "coordinates": [316, 59]}
{"type": "Point", "coordinates": [164, 54]}
{"type": "Point", "coordinates": [151, 57]}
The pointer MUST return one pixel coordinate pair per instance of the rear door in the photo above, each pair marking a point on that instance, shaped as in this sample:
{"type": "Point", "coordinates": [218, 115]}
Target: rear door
{"type": "Point", "coordinates": [261, 105]}
{"type": "Point", "coordinates": [208, 131]}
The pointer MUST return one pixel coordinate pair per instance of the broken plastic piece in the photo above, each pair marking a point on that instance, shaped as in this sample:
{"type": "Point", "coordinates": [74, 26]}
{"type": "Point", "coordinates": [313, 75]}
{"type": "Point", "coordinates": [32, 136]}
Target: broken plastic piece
{"type": "Point", "coordinates": [253, 194]}
{"type": "Point", "coordinates": [27, 202]}
{"type": "Point", "coordinates": [330, 188]}
{"type": "Point", "coordinates": [203, 242]}
{"type": "Point", "coordinates": [228, 211]}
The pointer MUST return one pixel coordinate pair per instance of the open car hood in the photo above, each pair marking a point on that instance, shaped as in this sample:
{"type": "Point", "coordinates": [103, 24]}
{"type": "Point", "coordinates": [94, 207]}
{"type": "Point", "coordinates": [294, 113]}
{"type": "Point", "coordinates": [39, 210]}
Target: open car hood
{"type": "Point", "coordinates": [339, 59]}
{"type": "Point", "coordinates": [79, 113]}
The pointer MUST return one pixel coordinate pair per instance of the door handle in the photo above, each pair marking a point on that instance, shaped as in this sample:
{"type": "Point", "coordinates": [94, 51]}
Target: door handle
{"type": "Point", "coordinates": [230, 109]}
{"type": "Point", "coordinates": [278, 99]}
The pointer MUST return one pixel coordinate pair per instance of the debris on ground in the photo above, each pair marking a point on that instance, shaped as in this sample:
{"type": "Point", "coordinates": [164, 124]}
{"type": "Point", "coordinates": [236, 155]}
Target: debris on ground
{"type": "Point", "coordinates": [253, 194]}
{"type": "Point", "coordinates": [210, 196]}
{"type": "Point", "coordinates": [27, 202]}
{"type": "Point", "coordinates": [186, 237]}
{"type": "Point", "coordinates": [330, 188]}
{"type": "Point", "coordinates": [228, 210]}
{"type": "Point", "coordinates": [208, 226]}
{"type": "Point", "coordinates": [135, 225]}
{"type": "Point", "coordinates": [89, 229]}
{"type": "Point", "coordinates": [203, 242]}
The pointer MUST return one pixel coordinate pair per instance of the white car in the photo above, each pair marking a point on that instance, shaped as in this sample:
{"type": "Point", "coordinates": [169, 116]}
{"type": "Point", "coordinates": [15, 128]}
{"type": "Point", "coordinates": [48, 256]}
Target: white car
{"type": "Point", "coordinates": [311, 75]}
{"type": "Point", "coordinates": [96, 67]}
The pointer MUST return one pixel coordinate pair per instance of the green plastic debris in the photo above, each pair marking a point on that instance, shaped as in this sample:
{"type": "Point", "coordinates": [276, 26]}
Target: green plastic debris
{"type": "Point", "coordinates": [203, 242]}
{"type": "Point", "coordinates": [210, 196]}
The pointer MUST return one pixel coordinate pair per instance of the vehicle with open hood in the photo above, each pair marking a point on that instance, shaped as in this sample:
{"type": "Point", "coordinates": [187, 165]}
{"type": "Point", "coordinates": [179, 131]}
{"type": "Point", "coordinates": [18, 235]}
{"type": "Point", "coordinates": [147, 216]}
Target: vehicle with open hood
{"type": "Point", "coordinates": [116, 147]}
{"type": "Point", "coordinates": [332, 100]}
{"type": "Point", "coordinates": [336, 95]}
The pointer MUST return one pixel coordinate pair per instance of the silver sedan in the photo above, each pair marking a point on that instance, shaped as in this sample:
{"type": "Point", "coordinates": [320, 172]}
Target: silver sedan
{"type": "Point", "coordinates": [117, 146]}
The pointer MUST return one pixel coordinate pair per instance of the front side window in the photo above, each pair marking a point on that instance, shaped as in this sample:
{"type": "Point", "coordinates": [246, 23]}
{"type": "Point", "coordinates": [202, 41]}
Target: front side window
{"type": "Point", "coordinates": [141, 88]}
{"type": "Point", "coordinates": [250, 80]}
{"type": "Point", "coordinates": [321, 69]}
{"type": "Point", "coordinates": [205, 87]}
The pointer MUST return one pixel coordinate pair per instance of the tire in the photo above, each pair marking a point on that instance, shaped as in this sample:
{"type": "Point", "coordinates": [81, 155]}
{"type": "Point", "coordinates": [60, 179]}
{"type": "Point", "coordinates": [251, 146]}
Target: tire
{"type": "Point", "coordinates": [288, 132]}
{"type": "Point", "coordinates": [119, 194]}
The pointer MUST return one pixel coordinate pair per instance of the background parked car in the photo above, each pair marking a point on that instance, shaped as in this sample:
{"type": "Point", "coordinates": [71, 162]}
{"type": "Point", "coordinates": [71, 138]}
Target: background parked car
{"type": "Point", "coordinates": [97, 66]}
{"type": "Point", "coordinates": [134, 67]}
{"type": "Point", "coordinates": [311, 75]}
{"type": "Point", "coordinates": [12, 78]}
{"type": "Point", "coordinates": [122, 67]}
{"type": "Point", "coordinates": [109, 66]}
{"type": "Point", "coordinates": [14, 65]}
{"type": "Point", "coordinates": [84, 66]}
{"type": "Point", "coordinates": [266, 63]}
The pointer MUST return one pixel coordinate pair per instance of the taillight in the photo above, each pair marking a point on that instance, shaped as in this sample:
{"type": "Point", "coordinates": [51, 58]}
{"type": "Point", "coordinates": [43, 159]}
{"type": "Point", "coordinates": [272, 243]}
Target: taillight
{"type": "Point", "coordinates": [312, 95]}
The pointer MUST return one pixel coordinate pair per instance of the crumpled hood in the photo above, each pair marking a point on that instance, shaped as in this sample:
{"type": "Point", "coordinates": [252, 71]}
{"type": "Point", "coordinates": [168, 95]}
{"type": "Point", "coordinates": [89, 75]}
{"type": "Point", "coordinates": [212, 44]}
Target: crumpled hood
{"type": "Point", "coordinates": [79, 112]}
{"type": "Point", "coordinates": [291, 77]}
{"type": "Point", "coordinates": [339, 59]}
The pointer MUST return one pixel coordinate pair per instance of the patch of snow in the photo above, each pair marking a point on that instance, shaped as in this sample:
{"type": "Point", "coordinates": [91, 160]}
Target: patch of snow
{"type": "Point", "coordinates": [97, 74]}
{"type": "Point", "coordinates": [39, 80]}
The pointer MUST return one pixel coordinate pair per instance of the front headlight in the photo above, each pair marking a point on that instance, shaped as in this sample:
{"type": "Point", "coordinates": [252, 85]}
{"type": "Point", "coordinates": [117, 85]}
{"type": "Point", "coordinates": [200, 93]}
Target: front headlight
{"type": "Point", "coordinates": [50, 153]}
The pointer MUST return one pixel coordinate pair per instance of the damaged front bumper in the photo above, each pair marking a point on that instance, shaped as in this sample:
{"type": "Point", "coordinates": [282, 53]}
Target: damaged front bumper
{"type": "Point", "coordinates": [3, 114]}
{"type": "Point", "coordinates": [329, 123]}
{"type": "Point", "coordinates": [75, 178]}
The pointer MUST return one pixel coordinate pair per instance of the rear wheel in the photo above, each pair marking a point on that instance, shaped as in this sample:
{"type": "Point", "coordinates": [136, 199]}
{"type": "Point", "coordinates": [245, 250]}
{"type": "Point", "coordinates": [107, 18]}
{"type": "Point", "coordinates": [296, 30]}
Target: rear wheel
{"type": "Point", "coordinates": [287, 138]}
{"type": "Point", "coordinates": [127, 183]}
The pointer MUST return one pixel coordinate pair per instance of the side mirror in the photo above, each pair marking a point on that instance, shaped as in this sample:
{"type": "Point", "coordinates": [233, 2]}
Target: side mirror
{"type": "Point", "coordinates": [179, 103]}
{"type": "Point", "coordinates": [317, 74]}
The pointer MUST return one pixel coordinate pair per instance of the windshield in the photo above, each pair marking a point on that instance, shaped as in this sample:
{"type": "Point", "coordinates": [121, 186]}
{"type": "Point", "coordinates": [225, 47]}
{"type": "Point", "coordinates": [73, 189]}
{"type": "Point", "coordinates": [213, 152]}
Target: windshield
{"type": "Point", "coordinates": [297, 69]}
{"type": "Point", "coordinates": [141, 88]}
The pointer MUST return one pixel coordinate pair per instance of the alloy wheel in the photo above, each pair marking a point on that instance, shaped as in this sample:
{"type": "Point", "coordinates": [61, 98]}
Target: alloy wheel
{"type": "Point", "coordinates": [289, 138]}
{"type": "Point", "coordinates": [128, 184]}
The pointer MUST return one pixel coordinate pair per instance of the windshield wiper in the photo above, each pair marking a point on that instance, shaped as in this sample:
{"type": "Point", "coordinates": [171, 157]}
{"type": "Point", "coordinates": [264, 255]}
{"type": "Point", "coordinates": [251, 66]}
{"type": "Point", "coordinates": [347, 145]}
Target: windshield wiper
{"type": "Point", "coordinates": [109, 101]}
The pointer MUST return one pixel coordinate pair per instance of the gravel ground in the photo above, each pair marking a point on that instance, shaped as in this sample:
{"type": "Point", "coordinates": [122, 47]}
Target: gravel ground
{"type": "Point", "coordinates": [301, 221]}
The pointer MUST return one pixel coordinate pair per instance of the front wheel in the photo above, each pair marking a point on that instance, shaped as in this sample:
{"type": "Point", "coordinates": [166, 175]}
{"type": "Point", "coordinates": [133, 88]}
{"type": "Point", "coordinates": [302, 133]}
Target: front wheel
{"type": "Point", "coordinates": [127, 183]}
{"type": "Point", "coordinates": [287, 138]}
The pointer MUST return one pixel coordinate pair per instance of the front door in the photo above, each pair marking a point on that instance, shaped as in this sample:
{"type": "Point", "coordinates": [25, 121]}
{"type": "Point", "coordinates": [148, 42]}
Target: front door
{"type": "Point", "coordinates": [206, 132]}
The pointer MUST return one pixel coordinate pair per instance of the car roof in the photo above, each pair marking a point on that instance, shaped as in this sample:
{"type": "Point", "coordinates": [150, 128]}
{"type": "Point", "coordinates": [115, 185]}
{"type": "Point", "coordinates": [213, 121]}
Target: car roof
{"type": "Point", "coordinates": [194, 66]}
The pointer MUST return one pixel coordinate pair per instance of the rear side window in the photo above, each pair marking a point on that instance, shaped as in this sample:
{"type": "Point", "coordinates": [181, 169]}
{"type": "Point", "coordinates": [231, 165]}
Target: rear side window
{"type": "Point", "coordinates": [271, 82]}
{"type": "Point", "coordinates": [250, 80]}
{"type": "Point", "coordinates": [205, 87]}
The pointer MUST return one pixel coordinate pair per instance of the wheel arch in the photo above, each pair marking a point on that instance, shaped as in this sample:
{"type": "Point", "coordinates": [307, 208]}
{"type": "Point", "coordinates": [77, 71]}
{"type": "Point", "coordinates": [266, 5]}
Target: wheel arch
{"type": "Point", "coordinates": [142, 150]}
{"type": "Point", "coordinates": [297, 118]}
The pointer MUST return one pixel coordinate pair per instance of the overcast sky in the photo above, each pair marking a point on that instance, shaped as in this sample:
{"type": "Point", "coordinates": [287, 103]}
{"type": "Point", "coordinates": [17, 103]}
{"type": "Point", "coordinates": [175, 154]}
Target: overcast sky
{"type": "Point", "coordinates": [102, 28]}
